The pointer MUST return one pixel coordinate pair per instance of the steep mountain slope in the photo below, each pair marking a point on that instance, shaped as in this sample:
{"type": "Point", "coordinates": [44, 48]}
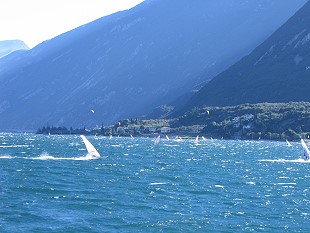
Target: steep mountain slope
{"type": "Point", "coordinates": [9, 46]}
{"type": "Point", "coordinates": [276, 71]}
{"type": "Point", "coordinates": [126, 64]}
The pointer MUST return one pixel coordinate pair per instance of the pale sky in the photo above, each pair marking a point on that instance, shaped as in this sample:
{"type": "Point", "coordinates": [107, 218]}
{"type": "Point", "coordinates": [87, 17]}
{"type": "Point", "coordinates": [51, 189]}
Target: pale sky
{"type": "Point", "coordinates": [34, 21]}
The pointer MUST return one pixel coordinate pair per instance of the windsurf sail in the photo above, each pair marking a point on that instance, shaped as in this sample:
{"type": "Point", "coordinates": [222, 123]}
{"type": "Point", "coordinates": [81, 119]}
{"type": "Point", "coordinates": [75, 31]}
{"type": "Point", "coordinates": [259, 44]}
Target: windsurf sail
{"type": "Point", "coordinates": [288, 143]}
{"type": "Point", "coordinates": [90, 148]}
{"type": "Point", "coordinates": [196, 140]}
{"type": "Point", "coordinates": [305, 149]}
{"type": "Point", "coordinates": [178, 139]}
{"type": "Point", "coordinates": [157, 140]}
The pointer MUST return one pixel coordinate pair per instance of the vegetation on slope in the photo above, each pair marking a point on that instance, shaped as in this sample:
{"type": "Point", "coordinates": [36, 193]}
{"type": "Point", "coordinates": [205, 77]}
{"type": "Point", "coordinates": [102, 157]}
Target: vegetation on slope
{"type": "Point", "coordinates": [268, 121]}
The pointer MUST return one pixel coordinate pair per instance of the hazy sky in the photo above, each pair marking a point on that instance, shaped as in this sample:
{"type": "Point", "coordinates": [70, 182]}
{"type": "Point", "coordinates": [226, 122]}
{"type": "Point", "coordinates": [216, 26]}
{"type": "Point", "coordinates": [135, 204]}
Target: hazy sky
{"type": "Point", "coordinates": [34, 21]}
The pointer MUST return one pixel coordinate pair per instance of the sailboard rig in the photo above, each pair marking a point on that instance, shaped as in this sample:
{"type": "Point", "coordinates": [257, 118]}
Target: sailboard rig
{"type": "Point", "coordinates": [157, 140]}
{"type": "Point", "coordinates": [178, 139]}
{"type": "Point", "coordinates": [288, 143]}
{"type": "Point", "coordinates": [305, 149]}
{"type": "Point", "coordinates": [90, 148]}
{"type": "Point", "coordinates": [196, 140]}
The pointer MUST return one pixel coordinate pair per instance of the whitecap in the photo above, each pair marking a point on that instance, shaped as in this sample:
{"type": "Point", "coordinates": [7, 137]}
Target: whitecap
{"type": "Point", "coordinates": [74, 144]}
{"type": "Point", "coordinates": [157, 183]}
{"type": "Point", "coordinates": [57, 197]}
{"type": "Point", "coordinates": [285, 183]}
{"type": "Point", "coordinates": [5, 157]}
{"type": "Point", "coordinates": [285, 160]}
{"type": "Point", "coordinates": [171, 145]}
{"type": "Point", "coordinates": [46, 156]}
{"type": "Point", "coordinates": [83, 158]}
{"type": "Point", "coordinates": [251, 183]}
{"type": "Point", "coordinates": [285, 195]}
{"type": "Point", "coordinates": [14, 146]}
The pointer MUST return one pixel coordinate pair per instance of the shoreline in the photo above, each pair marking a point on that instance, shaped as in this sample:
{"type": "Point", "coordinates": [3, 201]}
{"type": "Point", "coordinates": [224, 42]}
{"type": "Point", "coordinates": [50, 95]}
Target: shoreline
{"type": "Point", "coordinates": [172, 137]}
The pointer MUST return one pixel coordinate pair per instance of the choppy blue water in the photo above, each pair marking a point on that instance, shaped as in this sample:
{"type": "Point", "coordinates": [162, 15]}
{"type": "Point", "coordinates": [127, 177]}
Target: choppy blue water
{"type": "Point", "coordinates": [47, 185]}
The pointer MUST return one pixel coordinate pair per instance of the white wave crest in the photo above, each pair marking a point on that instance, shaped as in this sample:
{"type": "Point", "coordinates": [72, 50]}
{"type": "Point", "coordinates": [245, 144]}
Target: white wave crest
{"type": "Point", "coordinates": [14, 146]}
{"type": "Point", "coordinates": [5, 157]}
{"type": "Point", "coordinates": [157, 183]}
{"type": "Point", "coordinates": [285, 160]}
{"type": "Point", "coordinates": [46, 156]}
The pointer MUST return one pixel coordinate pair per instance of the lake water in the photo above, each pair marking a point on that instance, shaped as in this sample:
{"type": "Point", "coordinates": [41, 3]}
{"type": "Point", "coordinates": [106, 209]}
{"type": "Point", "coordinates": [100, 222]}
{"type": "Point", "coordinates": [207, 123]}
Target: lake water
{"type": "Point", "coordinates": [48, 185]}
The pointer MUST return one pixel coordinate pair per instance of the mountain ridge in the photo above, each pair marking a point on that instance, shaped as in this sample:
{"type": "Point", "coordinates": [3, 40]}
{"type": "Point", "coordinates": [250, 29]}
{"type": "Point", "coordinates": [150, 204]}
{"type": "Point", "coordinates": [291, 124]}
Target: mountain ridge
{"type": "Point", "coordinates": [126, 64]}
{"type": "Point", "coordinates": [9, 46]}
{"type": "Point", "coordinates": [276, 71]}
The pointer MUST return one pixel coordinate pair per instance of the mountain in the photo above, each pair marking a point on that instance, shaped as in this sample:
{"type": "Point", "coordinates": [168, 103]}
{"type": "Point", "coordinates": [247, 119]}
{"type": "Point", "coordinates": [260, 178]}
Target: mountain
{"type": "Point", "coordinates": [9, 46]}
{"type": "Point", "coordinates": [125, 64]}
{"type": "Point", "coordinates": [276, 71]}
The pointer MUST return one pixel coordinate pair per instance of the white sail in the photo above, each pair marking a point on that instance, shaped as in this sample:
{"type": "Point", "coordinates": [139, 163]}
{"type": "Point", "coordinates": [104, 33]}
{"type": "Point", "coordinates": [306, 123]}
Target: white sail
{"type": "Point", "coordinates": [305, 149]}
{"type": "Point", "coordinates": [196, 140]}
{"type": "Point", "coordinates": [178, 139]}
{"type": "Point", "coordinates": [167, 137]}
{"type": "Point", "coordinates": [288, 143]}
{"type": "Point", "coordinates": [90, 148]}
{"type": "Point", "coordinates": [157, 140]}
